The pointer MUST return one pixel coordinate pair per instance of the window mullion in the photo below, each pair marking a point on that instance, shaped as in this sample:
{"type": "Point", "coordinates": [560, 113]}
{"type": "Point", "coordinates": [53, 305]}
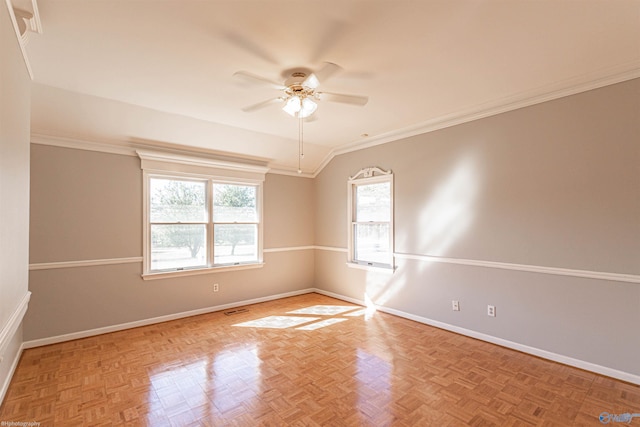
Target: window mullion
{"type": "Point", "coordinates": [175, 229]}
{"type": "Point", "coordinates": [210, 236]}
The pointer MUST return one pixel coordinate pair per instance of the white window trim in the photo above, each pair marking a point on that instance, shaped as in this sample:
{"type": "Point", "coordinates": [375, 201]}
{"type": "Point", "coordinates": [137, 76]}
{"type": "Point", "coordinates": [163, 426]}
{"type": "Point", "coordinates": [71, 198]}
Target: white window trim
{"type": "Point", "coordinates": [168, 165]}
{"type": "Point", "coordinates": [199, 271]}
{"type": "Point", "coordinates": [370, 175]}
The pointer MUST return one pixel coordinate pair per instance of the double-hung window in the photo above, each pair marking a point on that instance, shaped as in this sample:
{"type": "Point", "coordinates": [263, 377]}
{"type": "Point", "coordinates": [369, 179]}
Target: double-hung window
{"type": "Point", "coordinates": [200, 216]}
{"type": "Point", "coordinates": [371, 218]}
{"type": "Point", "coordinates": [178, 223]}
{"type": "Point", "coordinates": [235, 224]}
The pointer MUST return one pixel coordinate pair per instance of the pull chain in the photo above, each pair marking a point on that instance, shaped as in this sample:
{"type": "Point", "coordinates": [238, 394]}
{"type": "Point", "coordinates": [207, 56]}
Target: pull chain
{"type": "Point", "coordinates": [302, 138]}
{"type": "Point", "coordinates": [300, 144]}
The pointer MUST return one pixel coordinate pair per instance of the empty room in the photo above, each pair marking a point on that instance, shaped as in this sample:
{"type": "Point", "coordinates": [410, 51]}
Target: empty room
{"type": "Point", "coordinates": [319, 213]}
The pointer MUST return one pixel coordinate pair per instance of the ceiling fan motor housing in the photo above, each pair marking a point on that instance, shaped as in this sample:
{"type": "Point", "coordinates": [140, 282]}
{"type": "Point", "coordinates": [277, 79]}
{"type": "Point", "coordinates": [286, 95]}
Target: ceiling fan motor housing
{"type": "Point", "coordinates": [302, 84]}
{"type": "Point", "coordinates": [295, 84]}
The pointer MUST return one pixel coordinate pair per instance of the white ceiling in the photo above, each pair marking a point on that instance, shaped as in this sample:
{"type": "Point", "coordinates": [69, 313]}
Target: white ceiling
{"type": "Point", "coordinates": [162, 71]}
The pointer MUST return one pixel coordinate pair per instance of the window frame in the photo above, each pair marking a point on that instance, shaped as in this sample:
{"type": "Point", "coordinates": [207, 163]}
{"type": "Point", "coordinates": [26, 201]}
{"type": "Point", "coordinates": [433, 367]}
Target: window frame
{"type": "Point", "coordinates": [210, 171]}
{"type": "Point", "coordinates": [149, 223]}
{"type": "Point", "coordinates": [366, 176]}
{"type": "Point", "coordinates": [213, 223]}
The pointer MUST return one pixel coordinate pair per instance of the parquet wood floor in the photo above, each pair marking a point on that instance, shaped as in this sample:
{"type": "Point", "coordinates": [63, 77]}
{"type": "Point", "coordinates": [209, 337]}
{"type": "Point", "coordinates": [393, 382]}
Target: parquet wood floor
{"type": "Point", "coordinates": [377, 371]}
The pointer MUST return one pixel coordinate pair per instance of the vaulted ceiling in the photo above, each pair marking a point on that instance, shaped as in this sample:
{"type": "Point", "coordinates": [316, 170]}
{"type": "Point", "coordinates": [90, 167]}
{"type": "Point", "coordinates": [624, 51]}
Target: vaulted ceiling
{"type": "Point", "coordinates": [162, 72]}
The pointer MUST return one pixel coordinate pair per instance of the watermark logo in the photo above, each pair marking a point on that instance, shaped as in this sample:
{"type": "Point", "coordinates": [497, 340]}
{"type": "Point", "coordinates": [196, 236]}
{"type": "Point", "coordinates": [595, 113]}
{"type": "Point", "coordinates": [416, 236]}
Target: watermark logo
{"type": "Point", "coordinates": [19, 423]}
{"type": "Point", "coordinates": [606, 418]}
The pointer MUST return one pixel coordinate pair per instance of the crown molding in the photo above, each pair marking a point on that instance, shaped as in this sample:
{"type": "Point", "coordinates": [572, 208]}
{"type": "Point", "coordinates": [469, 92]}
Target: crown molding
{"type": "Point", "coordinates": [124, 148]}
{"type": "Point", "coordinates": [158, 156]}
{"type": "Point", "coordinates": [283, 170]}
{"type": "Point", "coordinates": [25, 19]}
{"type": "Point", "coordinates": [156, 152]}
{"type": "Point", "coordinates": [110, 147]}
{"type": "Point", "coordinates": [605, 77]}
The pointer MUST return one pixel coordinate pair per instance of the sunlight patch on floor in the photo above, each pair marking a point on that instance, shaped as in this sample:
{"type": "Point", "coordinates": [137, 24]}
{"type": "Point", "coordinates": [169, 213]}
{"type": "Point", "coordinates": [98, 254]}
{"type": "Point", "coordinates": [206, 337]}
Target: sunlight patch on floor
{"type": "Point", "coordinates": [284, 322]}
{"type": "Point", "coordinates": [326, 310]}
{"type": "Point", "coordinates": [320, 324]}
{"type": "Point", "coordinates": [357, 313]}
{"type": "Point", "coordinates": [277, 322]}
{"type": "Point", "coordinates": [371, 307]}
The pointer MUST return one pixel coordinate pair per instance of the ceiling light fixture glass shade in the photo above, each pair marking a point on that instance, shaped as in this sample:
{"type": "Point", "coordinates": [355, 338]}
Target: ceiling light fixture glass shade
{"type": "Point", "coordinates": [292, 106]}
{"type": "Point", "coordinates": [300, 107]}
{"type": "Point", "coordinates": [312, 82]}
{"type": "Point", "coordinates": [308, 108]}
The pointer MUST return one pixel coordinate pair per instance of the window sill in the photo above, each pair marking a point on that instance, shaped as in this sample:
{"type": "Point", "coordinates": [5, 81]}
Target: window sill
{"type": "Point", "coordinates": [199, 271]}
{"type": "Point", "coordinates": [377, 269]}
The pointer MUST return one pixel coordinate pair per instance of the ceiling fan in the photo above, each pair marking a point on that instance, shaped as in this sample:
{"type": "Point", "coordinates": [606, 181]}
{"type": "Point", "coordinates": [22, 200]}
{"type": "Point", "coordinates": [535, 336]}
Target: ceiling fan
{"type": "Point", "coordinates": [300, 94]}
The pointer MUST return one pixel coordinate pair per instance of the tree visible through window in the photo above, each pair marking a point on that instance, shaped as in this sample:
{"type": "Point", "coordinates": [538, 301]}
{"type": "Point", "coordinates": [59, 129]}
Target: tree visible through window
{"type": "Point", "coordinates": [235, 223]}
{"type": "Point", "coordinates": [178, 220]}
{"type": "Point", "coordinates": [201, 223]}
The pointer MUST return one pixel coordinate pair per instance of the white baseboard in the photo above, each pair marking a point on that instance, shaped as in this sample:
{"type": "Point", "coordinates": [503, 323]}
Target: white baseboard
{"type": "Point", "coordinates": [7, 334]}
{"type": "Point", "coordinates": [153, 320]}
{"type": "Point", "coordinates": [12, 370]}
{"type": "Point", "coordinates": [9, 329]}
{"type": "Point", "coordinates": [566, 360]}
{"type": "Point", "coordinates": [581, 364]}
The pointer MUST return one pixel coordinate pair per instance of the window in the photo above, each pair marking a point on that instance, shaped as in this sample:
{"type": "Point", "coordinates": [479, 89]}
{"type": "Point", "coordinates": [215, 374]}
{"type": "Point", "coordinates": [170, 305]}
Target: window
{"type": "Point", "coordinates": [178, 223]}
{"type": "Point", "coordinates": [371, 218]}
{"type": "Point", "coordinates": [195, 222]}
{"type": "Point", "coordinates": [235, 224]}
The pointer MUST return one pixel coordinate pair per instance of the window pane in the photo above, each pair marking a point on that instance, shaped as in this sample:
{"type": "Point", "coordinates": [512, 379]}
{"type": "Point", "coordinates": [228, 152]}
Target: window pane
{"type": "Point", "coordinates": [177, 201]}
{"type": "Point", "coordinates": [373, 202]}
{"type": "Point", "coordinates": [178, 246]}
{"type": "Point", "coordinates": [372, 243]}
{"type": "Point", "coordinates": [235, 243]}
{"type": "Point", "coordinates": [234, 203]}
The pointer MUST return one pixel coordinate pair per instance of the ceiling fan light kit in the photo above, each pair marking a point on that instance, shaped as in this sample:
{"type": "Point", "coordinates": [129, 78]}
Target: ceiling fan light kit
{"type": "Point", "coordinates": [300, 105]}
{"type": "Point", "coordinates": [300, 94]}
{"type": "Point", "coordinates": [299, 89]}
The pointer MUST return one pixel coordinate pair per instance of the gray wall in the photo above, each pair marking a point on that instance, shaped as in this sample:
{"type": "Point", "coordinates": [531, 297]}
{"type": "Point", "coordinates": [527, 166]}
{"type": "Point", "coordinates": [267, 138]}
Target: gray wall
{"type": "Point", "coordinates": [552, 185]}
{"type": "Point", "coordinates": [289, 210]}
{"type": "Point", "coordinates": [14, 187]}
{"type": "Point", "coordinates": [88, 205]}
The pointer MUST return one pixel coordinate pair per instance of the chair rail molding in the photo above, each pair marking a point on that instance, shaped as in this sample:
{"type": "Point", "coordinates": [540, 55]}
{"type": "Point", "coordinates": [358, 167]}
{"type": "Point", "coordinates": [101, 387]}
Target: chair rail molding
{"type": "Point", "coordinates": [558, 271]}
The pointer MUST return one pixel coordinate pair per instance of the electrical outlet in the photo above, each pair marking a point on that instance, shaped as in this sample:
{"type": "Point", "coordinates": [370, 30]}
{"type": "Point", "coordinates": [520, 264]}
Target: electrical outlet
{"type": "Point", "coordinates": [491, 310]}
{"type": "Point", "coordinates": [216, 288]}
{"type": "Point", "coordinates": [455, 305]}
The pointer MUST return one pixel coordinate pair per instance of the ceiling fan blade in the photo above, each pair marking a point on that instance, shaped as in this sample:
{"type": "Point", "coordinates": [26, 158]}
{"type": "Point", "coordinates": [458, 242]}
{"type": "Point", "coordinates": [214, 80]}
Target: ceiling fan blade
{"type": "Point", "coordinates": [322, 75]}
{"type": "Point", "coordinates": [343, 98]}
{"type": "Point", "coordinates": [262, 104]}
{"type": "Point", "coordinates": [254, 78]}
{"type": "Point", "coordinates": [327, 70]}
{"type": "Point", "coordinates": [249, 46]}
{"type": "Point", "coordinates": [331, 36]}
